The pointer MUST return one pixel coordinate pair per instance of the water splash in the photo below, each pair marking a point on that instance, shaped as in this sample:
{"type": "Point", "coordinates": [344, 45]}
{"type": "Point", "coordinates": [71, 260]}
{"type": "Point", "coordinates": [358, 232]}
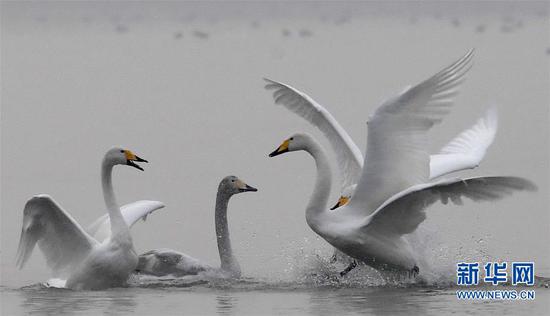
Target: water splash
{"type": "Point", "coordinates": [55, 283]}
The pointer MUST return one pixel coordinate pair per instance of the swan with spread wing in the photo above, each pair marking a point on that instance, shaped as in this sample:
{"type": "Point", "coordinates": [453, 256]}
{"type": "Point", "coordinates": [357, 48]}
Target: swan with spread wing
{"type": "Point", "coordinates": [394, 188]}
{"type": "Point", "coordinates": [465, 151]}
{"type": "Point", "coordinates": [100, 257]}
{"type": "Point", "coordinates": [161, 262]}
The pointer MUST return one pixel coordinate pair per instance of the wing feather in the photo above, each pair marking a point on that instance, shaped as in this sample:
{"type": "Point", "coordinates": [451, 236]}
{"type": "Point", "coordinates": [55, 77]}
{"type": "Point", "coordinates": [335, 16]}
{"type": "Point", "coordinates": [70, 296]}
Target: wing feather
{"type": "Point", "coordinates": [62, 240]}
{"type": "Point", "coordinates": [397, 143]}
{"type": "Point", "coordinates": [348, 156]}
{"type": "Point", "coordinates": [402, 213]}
{"type": "Point", "coordinates": [101, 228]}
{"type": "Point", "coordinates": [466, 150]}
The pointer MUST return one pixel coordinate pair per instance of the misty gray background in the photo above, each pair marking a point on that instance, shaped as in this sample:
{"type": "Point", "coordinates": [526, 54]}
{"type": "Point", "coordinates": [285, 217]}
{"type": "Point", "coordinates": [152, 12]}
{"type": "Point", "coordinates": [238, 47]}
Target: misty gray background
{"type": "Point", "coordinates": [181, 85]}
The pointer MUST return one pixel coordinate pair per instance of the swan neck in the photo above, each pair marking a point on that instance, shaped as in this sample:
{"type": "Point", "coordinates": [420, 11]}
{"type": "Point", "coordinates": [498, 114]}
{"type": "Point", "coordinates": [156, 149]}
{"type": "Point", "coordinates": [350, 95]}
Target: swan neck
{"type": "Point", "coordinates": [228, 261]}
{"type": "Point", "coordinates": [118, 225]}
{"type": "Point", "coordinates": [317, 206]}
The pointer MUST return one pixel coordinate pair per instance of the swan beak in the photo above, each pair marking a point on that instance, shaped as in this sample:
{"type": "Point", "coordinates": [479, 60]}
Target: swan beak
{"type": "Point", "coordinates": [248, 188]}
{"type": "Point", "coordinates": [243, 187]}
{"type": "Point", "coordinates": [131, 157]}
{"type": "Point", "coordinates": [281, 149]}
{"type": "Point", "coordinates": [343, 200]}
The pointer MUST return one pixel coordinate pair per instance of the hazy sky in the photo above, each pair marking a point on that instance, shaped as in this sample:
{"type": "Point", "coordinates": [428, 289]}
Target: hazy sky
{"type": "Point", "coordinates": [181, 85]}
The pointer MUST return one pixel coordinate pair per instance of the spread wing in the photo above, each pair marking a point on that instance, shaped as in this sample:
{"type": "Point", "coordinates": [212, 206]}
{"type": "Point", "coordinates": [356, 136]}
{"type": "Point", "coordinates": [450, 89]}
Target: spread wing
{"type": "Point", "coordinates": [348, 156]}
{"type": "Point", "coordinates": [467, 149]}
{"type": "Point", "coordinates": [403, 212]}
{"type": "Point", "coordinates": [101, 228]}
{"type": "Point", "coordinates": [397, 142]}
{"type": "Point", "coordinates": [62, 240]}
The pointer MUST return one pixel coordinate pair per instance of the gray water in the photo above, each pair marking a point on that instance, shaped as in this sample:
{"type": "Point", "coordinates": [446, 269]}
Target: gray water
{"type": "Point", "coordinates": [258, 298]}
{"type": "Point", "coordinates": [180, 84]}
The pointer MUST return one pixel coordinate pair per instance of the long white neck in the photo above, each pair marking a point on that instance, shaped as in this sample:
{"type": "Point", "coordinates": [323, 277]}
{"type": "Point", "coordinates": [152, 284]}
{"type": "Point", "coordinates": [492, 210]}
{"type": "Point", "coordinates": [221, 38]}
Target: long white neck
{"type": "Point", "coordinates": [317, 206]}
{"type": "Point", "coordinates": [118, 225]}
{"type": "Point", "coordinates": [228, 261]}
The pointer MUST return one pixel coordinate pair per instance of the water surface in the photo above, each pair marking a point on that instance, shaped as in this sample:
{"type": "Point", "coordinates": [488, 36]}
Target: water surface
{"type": "Point", "coordinates": [260, 298]}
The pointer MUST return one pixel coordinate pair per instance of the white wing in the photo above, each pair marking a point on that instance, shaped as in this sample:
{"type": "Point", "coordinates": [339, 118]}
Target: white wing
{"type": "Point", "coordinates": [467, 149]}
{"type": "Point", "coordinates": [101, 228]}
{"type": "Point", "coordinates": [403, 212]}
{"type": "Point", "coordinates": [397, 143]}
{"type": "Point", "coordinates": [61, 239]}
{"type": "Point", "coordinates": [350, 160]}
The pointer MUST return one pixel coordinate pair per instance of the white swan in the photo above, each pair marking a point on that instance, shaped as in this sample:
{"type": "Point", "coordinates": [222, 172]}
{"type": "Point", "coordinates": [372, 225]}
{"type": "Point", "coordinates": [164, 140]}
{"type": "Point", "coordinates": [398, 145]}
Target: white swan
{"type": "Point", "coordinates": [374, 235]}
{"type": "Point", "coordinates": [162, 262]}
{"type": "Point", "coordinates": [393, 190]}
{"type": "Point", "coordinates": [70, 251]}
{"type": "Point", "coordinates": [465, 151]}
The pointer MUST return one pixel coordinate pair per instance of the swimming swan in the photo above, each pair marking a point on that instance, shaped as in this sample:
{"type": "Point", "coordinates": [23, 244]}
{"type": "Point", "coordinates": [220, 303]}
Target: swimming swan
{"type": "Point", "coordinates": [70, 251]}
{"type": "Point", "coordinates": [465, 151]}
{"type": "Point", "coordinates": [374, 234]}
{"type": "Point", "coordinates": [393, 190]}
{"type": "Point", "coordinates": [160, 262]}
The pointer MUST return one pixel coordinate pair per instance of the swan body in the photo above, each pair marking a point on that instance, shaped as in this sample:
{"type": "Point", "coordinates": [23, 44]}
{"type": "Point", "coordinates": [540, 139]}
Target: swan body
{"type": "Point", "coordinates": [394, 188]}
{"type": "Point", "coordinates": [107, 265]}
{"type": "Point", "coordinates": [71, 252]}
{"type": "Point", "coordinates": [465, 151]}
{"type": "Point", "coordinates": [162, 262]}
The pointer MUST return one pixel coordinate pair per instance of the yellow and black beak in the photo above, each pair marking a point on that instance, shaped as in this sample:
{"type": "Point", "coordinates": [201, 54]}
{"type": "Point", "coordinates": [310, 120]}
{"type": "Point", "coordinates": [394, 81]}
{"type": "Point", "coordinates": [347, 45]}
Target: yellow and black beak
{"type": "Point", "coordinates": [131, 157]}
{"type": "Point", "coordinates": [281, 149]}
{"type": "Point", "coordinates": [343, 200]}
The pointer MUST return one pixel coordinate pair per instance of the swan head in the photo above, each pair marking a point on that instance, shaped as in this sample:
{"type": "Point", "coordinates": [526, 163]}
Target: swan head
{"type": "Point", "coordinates": [121, 156]}
{"type": "Point", "coordinates": [234, 185]}
{"type": "Point", "coordinates": [347, 193]}
{"type": "Point", "coordinates": [293, 143]}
